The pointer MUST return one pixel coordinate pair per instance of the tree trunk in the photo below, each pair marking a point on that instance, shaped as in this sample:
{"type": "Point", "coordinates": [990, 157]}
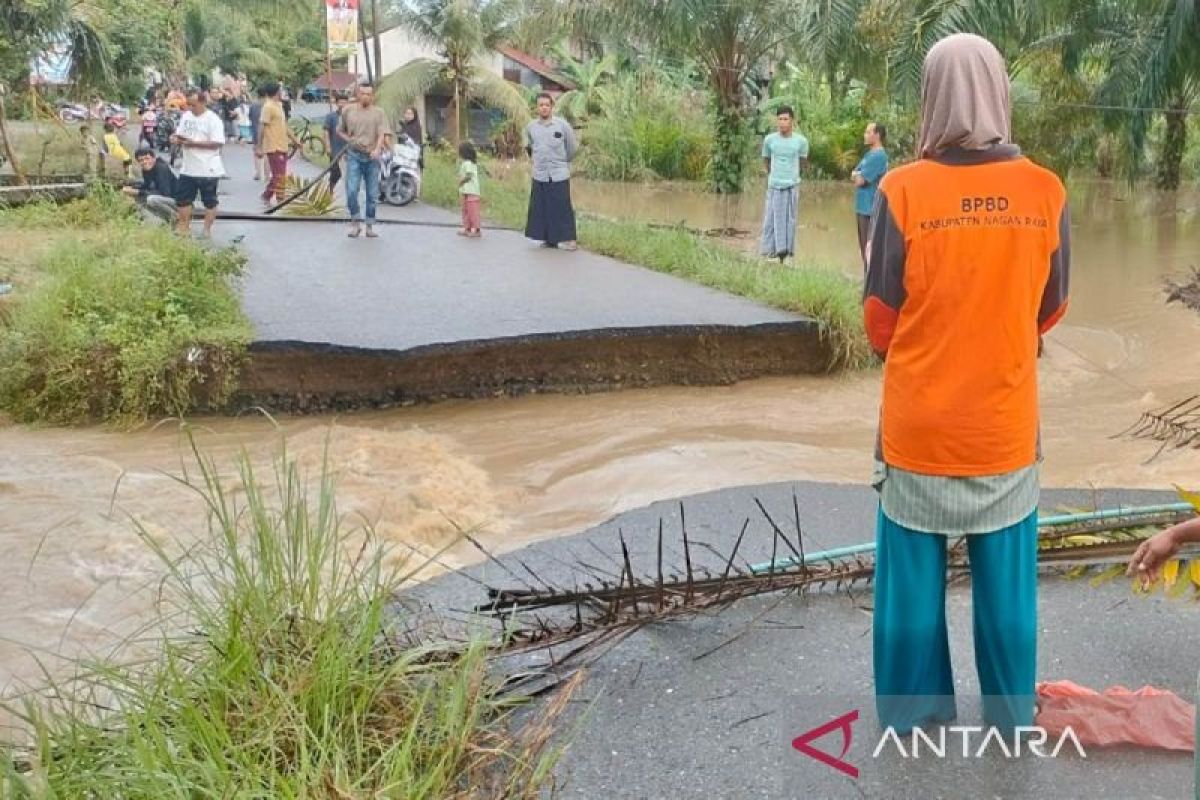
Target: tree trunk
{"type": "Point", "coordinates": [729, 149]}
{"type": "Point", "coordinates": [376, 45]}
{"type": "Point", "coordinates": [834, 87]}
{"type": "Point", "coordinates": [729, 143]}
{"type": "Point", "coordinates": [456, 140]}
{"type": "Point", "coordinates": [1170, 158]}
{"type": "Point", "coordinates": [8, 151]}
{"type": "Point", "coordinates": [177, 74]}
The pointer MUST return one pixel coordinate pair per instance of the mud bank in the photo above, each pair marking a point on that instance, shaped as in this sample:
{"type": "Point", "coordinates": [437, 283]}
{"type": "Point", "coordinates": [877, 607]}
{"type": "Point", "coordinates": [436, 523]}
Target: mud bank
{"type": "Point", "coordinates": [306, 377]}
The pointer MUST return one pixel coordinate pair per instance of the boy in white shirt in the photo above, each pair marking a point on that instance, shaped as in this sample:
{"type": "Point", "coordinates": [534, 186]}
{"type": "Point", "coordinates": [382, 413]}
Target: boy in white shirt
{"type": "Point", "coordinates": [200, 133]}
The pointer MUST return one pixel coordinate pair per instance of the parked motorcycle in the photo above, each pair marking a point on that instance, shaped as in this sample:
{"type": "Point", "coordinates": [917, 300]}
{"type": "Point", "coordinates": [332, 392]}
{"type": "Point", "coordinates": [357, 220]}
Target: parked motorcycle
{"type": "Point", "coordinates": [167, 121]}
{"type": "Point", "coordinates": [400, 180]}
{"type": "Point", "coordinates": [73, 112]}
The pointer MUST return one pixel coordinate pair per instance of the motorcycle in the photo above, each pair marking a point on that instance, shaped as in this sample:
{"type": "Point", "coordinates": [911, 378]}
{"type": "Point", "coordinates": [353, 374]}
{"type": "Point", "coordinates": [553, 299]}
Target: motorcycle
{"type": "Point", "coordinates": [73, 112]}
{"type": "Point", "coordinates": [400, 181]}
{"type": "Point", "coordinates": [167, 120]}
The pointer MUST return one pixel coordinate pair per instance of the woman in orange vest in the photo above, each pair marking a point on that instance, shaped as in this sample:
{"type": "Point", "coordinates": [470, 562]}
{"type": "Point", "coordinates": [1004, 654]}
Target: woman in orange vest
{"type": "Point", "coordinates": [967, 265]}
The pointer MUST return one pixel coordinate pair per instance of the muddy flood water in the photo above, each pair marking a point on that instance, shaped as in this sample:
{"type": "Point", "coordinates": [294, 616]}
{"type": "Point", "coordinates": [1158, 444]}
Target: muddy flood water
{"type": "Point", "coordinates": [522, 469]}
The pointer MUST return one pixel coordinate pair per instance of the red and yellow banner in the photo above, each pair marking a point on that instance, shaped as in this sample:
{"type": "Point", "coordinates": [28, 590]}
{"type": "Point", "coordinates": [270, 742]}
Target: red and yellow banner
{"type": "Point", "coordinates": [341, 19]}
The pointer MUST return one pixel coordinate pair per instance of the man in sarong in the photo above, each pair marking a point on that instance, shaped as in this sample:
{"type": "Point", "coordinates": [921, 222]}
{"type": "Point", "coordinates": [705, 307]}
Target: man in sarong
{"type": "Point", "coordinates": [784, 153]}
{"type": "Point", "coordinates": [550, 143]}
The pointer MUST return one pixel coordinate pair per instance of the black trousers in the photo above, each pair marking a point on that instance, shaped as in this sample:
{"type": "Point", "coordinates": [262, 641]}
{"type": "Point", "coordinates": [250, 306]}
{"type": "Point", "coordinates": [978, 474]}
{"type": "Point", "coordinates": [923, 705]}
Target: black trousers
{"type": "Point", "coordinates": [335, 174]}
{"type": "Point", "coordinates": [864, 230]}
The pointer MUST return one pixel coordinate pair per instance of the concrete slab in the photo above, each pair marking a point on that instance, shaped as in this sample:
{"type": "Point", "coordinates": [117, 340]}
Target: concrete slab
{"type": "Point", "coordinates": [421, 285]}
{"type": "Point", "coordinates": [708, 708]}
{"type": "Point", "coordinates": [343, 322]}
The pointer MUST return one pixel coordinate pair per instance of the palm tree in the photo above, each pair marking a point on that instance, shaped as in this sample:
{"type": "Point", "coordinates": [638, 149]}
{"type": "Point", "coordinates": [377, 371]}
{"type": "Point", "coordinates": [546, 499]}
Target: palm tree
{"type": "Point", "coordinates": [223, 41]}
{"type": "Point", "coordinates": [463, 32]}
{"type": "Point", "coordinates": [1151, 50]}
{"type": "Point", "coordinates": [828, 41]}
{"type": "Point", "coordinates": [728, 40]}
{"type": "Point", "coordinates": [588, 76]}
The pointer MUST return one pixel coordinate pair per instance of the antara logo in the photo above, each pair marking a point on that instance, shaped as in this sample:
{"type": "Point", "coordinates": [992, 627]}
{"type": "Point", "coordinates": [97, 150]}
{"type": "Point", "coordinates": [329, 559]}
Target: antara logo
{"type": "Point", "coordinates": [1035, 739]}
{"type": "Point", "coordinates": [842, 723]}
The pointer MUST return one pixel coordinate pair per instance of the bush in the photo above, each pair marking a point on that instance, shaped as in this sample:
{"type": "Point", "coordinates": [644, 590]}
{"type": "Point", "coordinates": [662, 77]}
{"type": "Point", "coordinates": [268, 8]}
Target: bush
{"type": "Point", "coordinates": [647, 128]}
{"type": "Point", "coordinates": [124, 321]}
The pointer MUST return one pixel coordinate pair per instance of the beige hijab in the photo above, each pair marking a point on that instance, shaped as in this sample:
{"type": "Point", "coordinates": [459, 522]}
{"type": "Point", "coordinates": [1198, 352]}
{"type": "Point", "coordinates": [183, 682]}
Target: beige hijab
{"type": "Point", "coordinates": [964, 96]}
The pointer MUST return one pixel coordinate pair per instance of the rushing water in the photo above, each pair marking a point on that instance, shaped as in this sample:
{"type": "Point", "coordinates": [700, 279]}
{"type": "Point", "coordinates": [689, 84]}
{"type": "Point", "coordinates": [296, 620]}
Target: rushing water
{"type": "Point", "coordinates": [519, 469]}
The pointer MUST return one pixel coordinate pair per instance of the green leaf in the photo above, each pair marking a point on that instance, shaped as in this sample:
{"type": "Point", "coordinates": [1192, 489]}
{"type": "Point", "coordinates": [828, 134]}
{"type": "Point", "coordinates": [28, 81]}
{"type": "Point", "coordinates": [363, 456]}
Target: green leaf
{"type": "Point", "coordinates": [1115, 571]}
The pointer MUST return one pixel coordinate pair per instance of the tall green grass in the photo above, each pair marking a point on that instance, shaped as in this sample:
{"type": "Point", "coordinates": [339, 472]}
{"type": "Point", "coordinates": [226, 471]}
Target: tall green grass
{"type": "Point", "coordinates": [122, 321]}
{"type": "Point", "coordinates": [647, 128]}
{"type": "Point", "coordinates": [282, 671]}
{"type": "Point", "coordinates": [822, 293]}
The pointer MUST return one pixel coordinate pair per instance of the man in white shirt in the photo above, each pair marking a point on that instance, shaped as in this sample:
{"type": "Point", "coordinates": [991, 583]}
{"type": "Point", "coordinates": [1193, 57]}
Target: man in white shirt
{"type": "Point", "coordinates": [201, 134]}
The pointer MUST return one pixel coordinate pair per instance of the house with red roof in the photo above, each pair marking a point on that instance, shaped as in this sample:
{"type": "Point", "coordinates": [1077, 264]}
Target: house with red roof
{"type": "Point", "coordinates": [398, 48]}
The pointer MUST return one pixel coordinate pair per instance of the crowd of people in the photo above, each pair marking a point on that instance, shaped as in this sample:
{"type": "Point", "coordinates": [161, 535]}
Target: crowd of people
{"type": "Point", "coordinates": [360, 139]}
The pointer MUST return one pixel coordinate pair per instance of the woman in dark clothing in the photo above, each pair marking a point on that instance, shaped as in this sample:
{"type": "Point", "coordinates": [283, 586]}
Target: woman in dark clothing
{"type": "Point", "coordinates": [412, 129]}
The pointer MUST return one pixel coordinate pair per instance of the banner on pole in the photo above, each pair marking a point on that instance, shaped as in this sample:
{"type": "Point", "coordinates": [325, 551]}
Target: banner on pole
{"type": "Point", "coordinates": [341, 18]}
{"type": "Point", "coordinates": [52, 66]}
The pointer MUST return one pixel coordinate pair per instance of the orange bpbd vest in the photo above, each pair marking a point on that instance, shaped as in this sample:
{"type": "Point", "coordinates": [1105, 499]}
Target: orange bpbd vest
{"type": "Point", "coordinates": [958, 309]}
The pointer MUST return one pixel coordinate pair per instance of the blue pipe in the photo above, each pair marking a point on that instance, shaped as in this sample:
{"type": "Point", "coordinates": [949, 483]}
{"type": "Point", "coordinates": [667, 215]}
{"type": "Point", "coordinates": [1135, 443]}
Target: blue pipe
{"type": "Point", "coordinates": [1045, 522]}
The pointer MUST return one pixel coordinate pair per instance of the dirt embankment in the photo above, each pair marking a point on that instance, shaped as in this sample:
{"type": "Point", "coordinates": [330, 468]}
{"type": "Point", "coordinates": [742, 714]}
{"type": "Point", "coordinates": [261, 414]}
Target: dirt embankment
{"type": "Point", "coordinates": [295, 376]}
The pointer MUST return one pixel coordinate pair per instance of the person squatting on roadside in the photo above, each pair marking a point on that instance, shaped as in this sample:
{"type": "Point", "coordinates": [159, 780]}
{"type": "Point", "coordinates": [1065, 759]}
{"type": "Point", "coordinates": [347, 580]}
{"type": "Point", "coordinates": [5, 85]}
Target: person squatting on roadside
{"type": "Point", "coordinates": [967, 263]}
{"type": "Point", "coordinates": [156, 192]}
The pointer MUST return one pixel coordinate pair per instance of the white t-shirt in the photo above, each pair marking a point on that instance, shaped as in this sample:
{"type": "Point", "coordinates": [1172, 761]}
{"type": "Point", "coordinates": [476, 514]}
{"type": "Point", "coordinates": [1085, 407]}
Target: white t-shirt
{"type": "Point", "coordinates": [199, 162]}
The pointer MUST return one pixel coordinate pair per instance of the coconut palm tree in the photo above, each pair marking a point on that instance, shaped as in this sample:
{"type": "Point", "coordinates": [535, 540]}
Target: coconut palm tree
{"type": "Point", "coordinates": [462, 32]}
{"type": "Point", "coordinates": [729, 41]}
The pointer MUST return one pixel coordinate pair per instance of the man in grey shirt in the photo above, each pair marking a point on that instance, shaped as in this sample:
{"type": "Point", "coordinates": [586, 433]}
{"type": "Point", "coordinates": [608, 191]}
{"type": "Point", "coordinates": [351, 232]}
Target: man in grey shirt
{"type": "Point", "coordinates": [550, 143]}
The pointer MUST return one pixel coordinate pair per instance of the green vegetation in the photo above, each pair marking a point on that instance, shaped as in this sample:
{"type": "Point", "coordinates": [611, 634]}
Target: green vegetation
{"type": "Point", "coordinates": [112, 319]}
{"type": "Point", "coordinates": [821, 293]}
{"type": "Point", "coordinates": [726, 41]}
{"type": "Point", "coordinates": [283, 670]}
{"type": "Point", "coordinates": [646, 126]}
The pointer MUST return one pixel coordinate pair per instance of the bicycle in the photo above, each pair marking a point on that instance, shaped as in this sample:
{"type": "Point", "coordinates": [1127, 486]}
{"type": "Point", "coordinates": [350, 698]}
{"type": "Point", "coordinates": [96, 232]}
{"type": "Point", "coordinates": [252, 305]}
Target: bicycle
{"type": "Point", "coordinates": [312, 144]}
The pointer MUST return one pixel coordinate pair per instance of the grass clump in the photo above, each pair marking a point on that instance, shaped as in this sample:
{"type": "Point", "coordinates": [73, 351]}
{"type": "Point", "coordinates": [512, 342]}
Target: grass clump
{"type": "Point", "coordinates": [117, 320]}
{"type": "Point", "coordinates": [821, 293]}
{"type": "Point", "coordinates": [282, 672]}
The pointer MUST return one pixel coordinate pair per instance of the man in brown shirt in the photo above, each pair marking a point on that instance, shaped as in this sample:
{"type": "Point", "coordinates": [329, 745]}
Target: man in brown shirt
{"type": "Point", "coordinates": [363, 125]}
{"type": "Point", "coordinates": [273, 138]}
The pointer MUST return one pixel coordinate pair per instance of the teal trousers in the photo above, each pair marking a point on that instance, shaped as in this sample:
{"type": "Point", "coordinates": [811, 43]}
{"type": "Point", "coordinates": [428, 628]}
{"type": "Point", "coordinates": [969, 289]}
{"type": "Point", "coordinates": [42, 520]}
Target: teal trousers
{"type": "Point", "coordinates": [914, 683]}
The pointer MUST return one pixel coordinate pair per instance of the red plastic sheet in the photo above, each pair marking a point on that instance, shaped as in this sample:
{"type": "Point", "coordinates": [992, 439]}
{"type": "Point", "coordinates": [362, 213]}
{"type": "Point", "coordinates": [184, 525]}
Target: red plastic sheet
{"type": "Point", "coordinates": [1148, 717]}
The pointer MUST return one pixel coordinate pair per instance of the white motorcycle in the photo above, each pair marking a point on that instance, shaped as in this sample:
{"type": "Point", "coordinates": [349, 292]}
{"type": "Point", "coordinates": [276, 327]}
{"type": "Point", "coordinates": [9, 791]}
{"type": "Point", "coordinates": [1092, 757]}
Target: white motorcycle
{"type": "Point", "coordinates": [400, 178]}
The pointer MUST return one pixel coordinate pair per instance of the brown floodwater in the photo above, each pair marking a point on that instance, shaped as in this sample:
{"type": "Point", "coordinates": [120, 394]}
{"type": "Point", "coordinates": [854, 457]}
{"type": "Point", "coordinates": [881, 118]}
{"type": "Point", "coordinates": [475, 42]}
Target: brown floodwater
{"type": "Point", "coordinates": [514, 470]}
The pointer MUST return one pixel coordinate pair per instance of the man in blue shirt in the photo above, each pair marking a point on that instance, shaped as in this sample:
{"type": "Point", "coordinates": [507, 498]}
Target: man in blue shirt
{"type": "Point", "coordinates": [866, 177]}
